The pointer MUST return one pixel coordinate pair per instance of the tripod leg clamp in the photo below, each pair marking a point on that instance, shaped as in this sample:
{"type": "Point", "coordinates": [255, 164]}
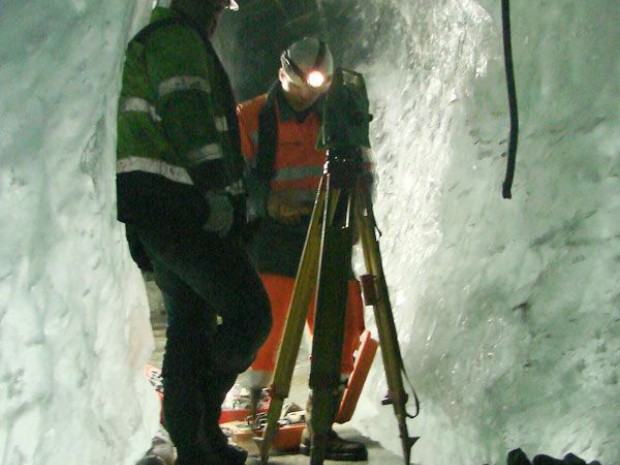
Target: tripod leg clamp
{"type": "Point", "coordinates": [369, 289]}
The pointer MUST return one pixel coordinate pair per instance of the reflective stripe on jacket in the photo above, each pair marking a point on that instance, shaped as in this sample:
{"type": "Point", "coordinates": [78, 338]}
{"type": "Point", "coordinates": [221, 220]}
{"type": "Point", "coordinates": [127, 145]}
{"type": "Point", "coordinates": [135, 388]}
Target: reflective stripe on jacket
{"type": "Point", "coordinates": [177, 128]}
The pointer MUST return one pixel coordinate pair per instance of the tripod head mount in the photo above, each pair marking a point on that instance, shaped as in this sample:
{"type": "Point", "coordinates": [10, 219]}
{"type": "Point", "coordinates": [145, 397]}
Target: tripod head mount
{"type": "Point", "coordinates": [345, 126]}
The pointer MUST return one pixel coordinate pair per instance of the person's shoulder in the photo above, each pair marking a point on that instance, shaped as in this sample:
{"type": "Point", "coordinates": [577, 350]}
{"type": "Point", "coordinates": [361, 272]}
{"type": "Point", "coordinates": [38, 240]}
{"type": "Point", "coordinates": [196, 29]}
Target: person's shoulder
{"type": "Point", "coordinates": [166, 25]}
{"type": "Point", "coordinates": [252, 106]}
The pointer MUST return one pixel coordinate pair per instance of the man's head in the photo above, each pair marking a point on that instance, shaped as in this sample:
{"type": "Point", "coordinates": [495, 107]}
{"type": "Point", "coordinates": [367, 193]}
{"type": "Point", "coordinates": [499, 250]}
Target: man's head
{"type": "Point", "coordinates": [205, 12]}
{"type": "Point", "coordinates": [306, 72]}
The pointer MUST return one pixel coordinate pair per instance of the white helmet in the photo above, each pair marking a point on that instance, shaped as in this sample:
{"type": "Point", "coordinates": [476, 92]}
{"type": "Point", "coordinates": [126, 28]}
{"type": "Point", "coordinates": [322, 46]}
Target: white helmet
{"type": "Point", "coordinates": [224, 4]}
{"type": "Point", "coordinates": [309, 60]}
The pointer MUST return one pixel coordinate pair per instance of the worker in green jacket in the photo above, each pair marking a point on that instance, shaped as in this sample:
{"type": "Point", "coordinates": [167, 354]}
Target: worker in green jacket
{"type": "Point", "coordinates": [180, 193]}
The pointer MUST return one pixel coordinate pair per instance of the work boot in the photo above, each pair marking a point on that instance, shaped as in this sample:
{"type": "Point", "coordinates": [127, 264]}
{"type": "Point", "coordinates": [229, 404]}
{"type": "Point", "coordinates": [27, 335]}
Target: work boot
{"type": "Point", "coordinates": [216, 450]}
{"type": "Point", "coordinates": [337, 448]}
{"type": "Point", "coordinates": [229, 453]}
{"type": "Point", "coordinates": [211, 458]}
{"type": "Point", "coordinates": [161, 451]}
{"type": "Point", "coordinates": [151, 460]}
{"type": "Point", "coordinates": [214, 392]}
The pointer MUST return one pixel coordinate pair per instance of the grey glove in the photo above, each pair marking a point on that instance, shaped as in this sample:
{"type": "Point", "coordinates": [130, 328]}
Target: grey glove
{"type": "Point", "coordinates": [221, 213]}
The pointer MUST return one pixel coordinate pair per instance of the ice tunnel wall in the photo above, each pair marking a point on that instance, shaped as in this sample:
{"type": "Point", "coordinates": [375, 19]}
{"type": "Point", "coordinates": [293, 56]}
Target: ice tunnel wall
{"type": "Point", "coordinates": [507, 310]}
{"type": "Point", "coordinates": [74, 330]}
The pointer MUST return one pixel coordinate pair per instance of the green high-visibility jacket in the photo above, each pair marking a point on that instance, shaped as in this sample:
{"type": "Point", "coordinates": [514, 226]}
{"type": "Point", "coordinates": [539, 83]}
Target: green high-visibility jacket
{"type": "Point", "coordinates": [177, 130]}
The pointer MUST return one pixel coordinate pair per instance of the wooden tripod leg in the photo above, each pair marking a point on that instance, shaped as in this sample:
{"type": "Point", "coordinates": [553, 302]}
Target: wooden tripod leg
{"type": "Point", "coordinates": [294, 327]}
{"type": "Point", "coordinates": [376, 288]}
{"type": "Point", "coordinates": [329, 319]}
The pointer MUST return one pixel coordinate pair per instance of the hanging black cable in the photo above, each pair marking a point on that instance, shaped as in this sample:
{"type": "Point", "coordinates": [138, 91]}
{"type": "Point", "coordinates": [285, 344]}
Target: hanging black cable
{"type": "Point", "coordinates": [512, 102]}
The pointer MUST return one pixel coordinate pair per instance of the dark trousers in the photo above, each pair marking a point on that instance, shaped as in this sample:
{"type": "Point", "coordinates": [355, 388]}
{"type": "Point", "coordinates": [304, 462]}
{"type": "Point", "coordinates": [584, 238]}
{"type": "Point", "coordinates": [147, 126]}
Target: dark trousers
{"type": "Point", "coordinates": [218, 317]}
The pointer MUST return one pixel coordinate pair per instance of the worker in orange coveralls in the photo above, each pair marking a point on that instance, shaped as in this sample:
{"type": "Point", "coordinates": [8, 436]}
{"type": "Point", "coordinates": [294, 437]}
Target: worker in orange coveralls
{"type": "Point", "coordinates": [278, 133]}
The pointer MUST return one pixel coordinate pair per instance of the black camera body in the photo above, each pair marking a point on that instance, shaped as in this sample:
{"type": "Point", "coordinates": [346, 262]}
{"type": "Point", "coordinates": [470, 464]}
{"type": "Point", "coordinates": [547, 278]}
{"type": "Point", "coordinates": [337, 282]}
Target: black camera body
{"type": "Point", "coordinates": [346, 114]}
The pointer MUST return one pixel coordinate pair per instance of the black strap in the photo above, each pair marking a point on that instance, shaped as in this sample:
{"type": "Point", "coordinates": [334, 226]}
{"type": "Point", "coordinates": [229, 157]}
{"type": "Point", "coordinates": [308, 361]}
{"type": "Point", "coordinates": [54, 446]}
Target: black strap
{"type": "Point", "coordinates": [267, 137]}
{"type": "Point", "coordinates": [320, 55]}
{"type": "Point", "coordinates": [512, 102]}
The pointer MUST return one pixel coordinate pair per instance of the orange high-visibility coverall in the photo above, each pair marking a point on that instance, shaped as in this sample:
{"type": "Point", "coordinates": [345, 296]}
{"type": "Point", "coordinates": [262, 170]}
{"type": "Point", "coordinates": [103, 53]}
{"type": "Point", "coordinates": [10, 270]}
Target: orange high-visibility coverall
{"type": "Point", "coordinates": [297, 168]}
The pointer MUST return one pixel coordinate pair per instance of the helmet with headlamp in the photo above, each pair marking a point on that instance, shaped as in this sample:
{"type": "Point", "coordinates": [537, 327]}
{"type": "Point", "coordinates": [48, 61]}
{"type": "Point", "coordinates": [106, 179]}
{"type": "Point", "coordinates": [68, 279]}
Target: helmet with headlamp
{"type": "Point", "coordinates": [226, 4]}
{"type": "Point", "coordinates": [220, 5]}
{"type": "Point", "coordinates": [308, 61]}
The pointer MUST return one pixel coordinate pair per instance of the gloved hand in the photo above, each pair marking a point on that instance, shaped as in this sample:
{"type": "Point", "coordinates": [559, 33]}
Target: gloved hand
{"type": "Point", "coordinates": [221, 213]}
{"type": "Point", "coordinates": [286, 208]}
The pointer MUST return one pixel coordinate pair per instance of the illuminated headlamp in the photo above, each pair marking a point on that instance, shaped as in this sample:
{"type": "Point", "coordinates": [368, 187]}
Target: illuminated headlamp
{"type": "Point", "coordinates": [232, 5]}
{"type": "Point", "coordinates": [314, 77]}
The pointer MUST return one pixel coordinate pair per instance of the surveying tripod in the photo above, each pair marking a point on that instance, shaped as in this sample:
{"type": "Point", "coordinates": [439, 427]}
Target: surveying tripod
{"type": "Point", "coordinates": [342, 210]}
{"type": "Point", "coordinates": [342, 204]}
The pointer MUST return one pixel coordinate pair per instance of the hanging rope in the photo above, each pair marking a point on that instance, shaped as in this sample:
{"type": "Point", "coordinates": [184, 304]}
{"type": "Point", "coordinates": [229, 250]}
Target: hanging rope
{"type": "Point", "coordinates": [512, 102]}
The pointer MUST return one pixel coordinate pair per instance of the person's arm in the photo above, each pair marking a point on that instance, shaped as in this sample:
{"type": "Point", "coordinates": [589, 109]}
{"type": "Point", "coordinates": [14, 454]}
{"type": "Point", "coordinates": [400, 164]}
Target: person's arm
{"type": "Point", "coordinates": [248, 132]}
{"type": "Point", "coordinates": [178, 67]}
{"type": "Point", "coordinates": [258, 190]}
